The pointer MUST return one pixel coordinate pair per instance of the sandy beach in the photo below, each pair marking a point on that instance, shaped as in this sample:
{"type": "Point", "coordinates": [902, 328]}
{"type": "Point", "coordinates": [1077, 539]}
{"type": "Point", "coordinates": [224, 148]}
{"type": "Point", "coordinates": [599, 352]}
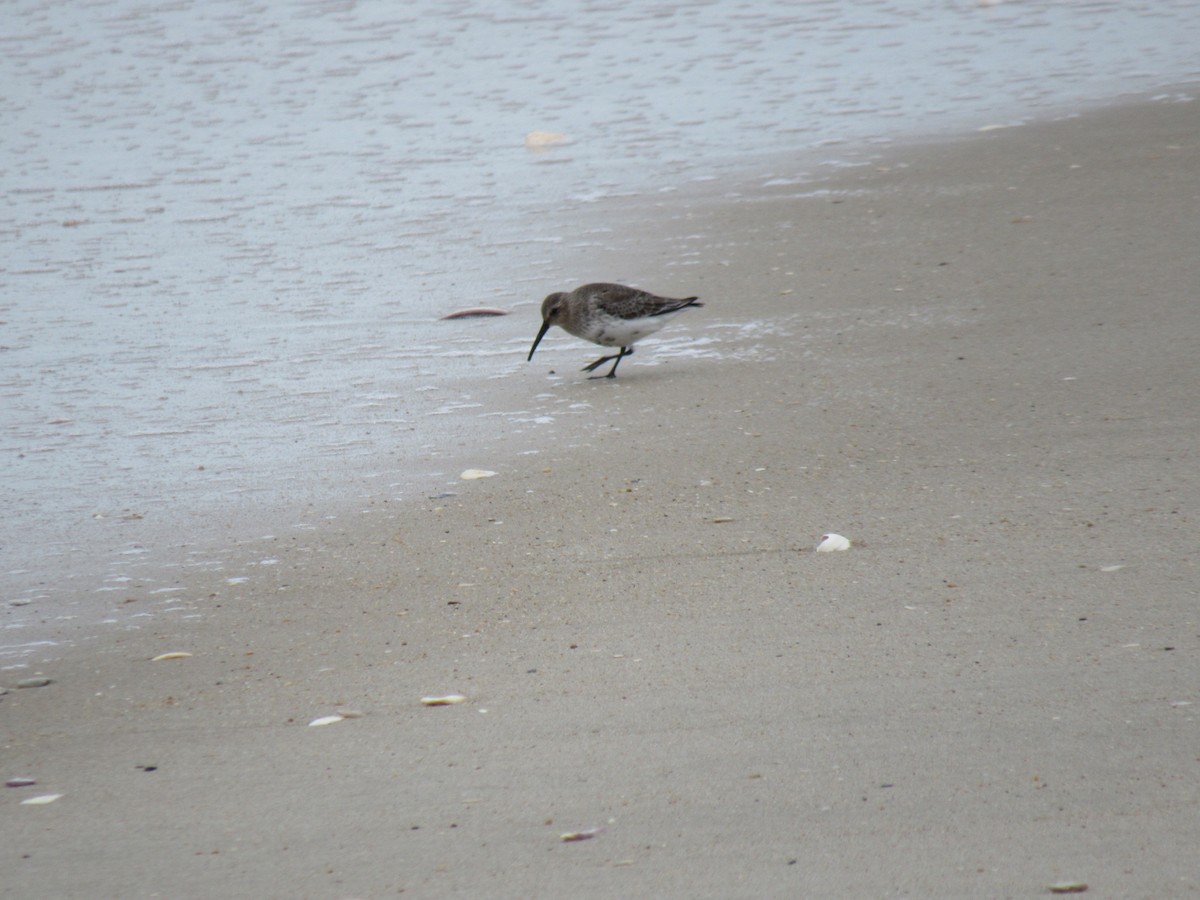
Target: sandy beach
{"type": "Point", "coordinates": [981, 370]}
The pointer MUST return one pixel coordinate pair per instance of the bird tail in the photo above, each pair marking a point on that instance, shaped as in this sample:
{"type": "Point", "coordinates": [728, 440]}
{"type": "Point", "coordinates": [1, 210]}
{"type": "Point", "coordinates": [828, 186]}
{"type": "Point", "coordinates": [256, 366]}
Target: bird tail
{"type": "Point", "coordinates": [679, 304]}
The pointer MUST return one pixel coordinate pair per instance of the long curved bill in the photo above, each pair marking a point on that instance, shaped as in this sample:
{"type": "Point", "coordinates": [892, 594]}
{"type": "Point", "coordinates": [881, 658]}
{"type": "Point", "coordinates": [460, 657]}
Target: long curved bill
{"type": "Point", "coordinates": [537, 340]}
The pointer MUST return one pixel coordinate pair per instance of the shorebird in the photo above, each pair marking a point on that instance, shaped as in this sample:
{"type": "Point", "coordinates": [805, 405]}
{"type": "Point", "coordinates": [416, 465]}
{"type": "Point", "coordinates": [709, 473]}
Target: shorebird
{"type": "Point", "coordinates": [610, 315]}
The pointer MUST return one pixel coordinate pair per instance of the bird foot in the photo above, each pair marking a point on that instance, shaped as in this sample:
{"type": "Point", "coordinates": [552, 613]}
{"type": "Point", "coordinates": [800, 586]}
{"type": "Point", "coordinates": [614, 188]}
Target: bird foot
{"type": "Point", "coordinates": [612, 373]}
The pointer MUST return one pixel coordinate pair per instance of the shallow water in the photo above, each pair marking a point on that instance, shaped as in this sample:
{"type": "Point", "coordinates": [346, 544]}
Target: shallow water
{"type": "Point", "coordinates": [229, 230]}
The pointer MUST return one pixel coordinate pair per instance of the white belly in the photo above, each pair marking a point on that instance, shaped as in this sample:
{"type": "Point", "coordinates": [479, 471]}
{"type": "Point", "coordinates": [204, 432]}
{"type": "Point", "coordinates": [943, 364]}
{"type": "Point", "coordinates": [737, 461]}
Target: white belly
{"type": "Point", "coordinates": [611, 332]}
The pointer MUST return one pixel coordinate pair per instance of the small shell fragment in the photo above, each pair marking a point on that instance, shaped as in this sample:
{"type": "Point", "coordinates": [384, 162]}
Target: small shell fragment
{"type": "Point", "coordinates": [20, 782]}
{"type": "Point", "coordinates": [830, 542]}
{"type": "Point", "coordinates": [33, 682]}
{"type": "Point", "coordinates": [475, 311]}
{"type": "Point", "coordinates": [535, 140]}
{"type": "Point", "coordinates": [1068, 887]}
{"type": "Point", "coordinates": [581, 835]}
{"type": "Point", "coordinates": [473, 474]}
{"type": "Point", "coordinates": [173, 655]}
{"type": "Point", "coordinates": [325, 720]}
{"type": "Point", "coordinates": [448, 700]}
{"type": "Point", "coordinates": [40, 800]}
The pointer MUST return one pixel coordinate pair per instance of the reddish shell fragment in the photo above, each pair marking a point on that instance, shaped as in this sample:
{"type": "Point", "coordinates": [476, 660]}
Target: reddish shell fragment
{"type": "Point", "coordinates": [475, 311]}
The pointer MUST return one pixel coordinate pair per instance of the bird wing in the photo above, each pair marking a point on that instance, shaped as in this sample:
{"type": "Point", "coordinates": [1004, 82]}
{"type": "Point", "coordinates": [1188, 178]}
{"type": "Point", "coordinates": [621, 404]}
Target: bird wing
{"type": "Point", "coordinates": [630, 303]}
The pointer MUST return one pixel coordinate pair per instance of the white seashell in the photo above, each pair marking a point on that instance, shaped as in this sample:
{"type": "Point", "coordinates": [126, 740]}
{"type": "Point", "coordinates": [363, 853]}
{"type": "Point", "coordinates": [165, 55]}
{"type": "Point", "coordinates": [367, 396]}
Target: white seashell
{"type": "Point", "coordinates": [325, 720]}
{"type": "Point", "coordinates": [41, 800]}
{"type": "Point", "coordinates": [448, 700]}
{"type": "Point", "coordinates": [831, 542]}
{"type": "Point", "coordinates": [472, 474]}
{"type": "Point", "coordinates": [173, 655]}
{"type": "Point", "coordinates": [1111, 568]}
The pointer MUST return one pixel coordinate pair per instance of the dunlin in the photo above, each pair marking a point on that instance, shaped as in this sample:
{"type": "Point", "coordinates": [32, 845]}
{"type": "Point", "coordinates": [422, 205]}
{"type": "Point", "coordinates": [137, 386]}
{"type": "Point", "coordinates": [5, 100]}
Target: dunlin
{"type": "Point", "coordinates": [610, 315]}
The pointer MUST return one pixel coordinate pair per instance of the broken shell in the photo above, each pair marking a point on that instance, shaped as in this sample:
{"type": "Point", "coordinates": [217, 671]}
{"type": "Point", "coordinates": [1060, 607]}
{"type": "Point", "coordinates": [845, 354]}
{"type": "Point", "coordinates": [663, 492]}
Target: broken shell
{"type": "Point", "coordinates": [20, 782]}
{"type": "Point", "coordinates": [173, 655]}
{"type": "Point", "coordinates": [40, 800]}
{"type": "Point", "coordinates": [472, 474]}
{"type": "Point", "coordinates": [475, 311]}
{"type": "Point", "coordinates": [1068, 887]}
{"type": "Point", "coordinates": [831, 542]}
{"type": "Point", "coordinates": [448, 700]}
{"type": "Point", "coordinates": [325, 720]}
{"type": "Point", "coordinates": [581, 835]}
{"type": "Point", "coordinates": [33, 682]}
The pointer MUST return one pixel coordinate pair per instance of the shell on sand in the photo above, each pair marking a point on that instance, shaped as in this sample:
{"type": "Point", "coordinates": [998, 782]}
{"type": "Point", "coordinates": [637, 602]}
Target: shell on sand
{"type": "Point", "coordinates": [325, 720]}
{"type": "Point", "coordinates": [536, 140]}
{"type": "Point", "coordinates": [448, 700]}
{"type": "Point", "coordinates": [40, 801]}
{"type": "Point", "coordinates": [475, 311]}
{"type": "Point", "coordinates": [831, 542]}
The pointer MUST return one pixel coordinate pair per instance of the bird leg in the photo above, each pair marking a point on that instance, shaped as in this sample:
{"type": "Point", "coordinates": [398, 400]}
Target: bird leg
{"type": "Point", "coordinates": [612, 373]}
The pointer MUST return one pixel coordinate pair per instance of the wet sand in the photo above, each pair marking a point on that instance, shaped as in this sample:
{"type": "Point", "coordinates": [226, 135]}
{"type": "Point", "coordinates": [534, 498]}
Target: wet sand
{"type": "Point", "coordinates": [984, 375]}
